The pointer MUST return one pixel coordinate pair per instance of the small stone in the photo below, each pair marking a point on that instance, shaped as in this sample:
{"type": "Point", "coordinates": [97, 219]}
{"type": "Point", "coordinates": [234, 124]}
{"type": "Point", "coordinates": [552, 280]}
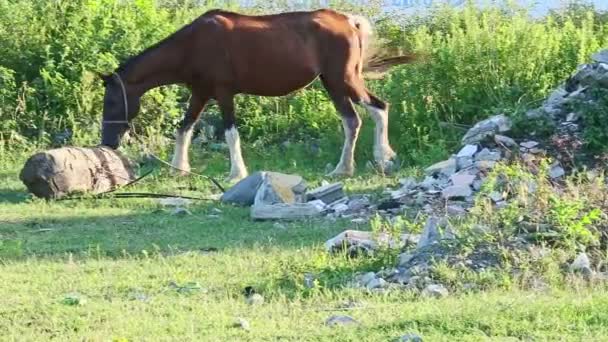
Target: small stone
{"type": "Point", "coordinates": [504, 140]}
{"type": "Point", "coordinates": [409, 338]}
{"type": "Point", "coordinates": [487, 155]}
{"type": "Point", "coordinates": [309, 280]}
{"type": "Point", "coordinates": [485, 165]}
{"type": "Point", "coordinates": [279, 225]}
{"type": "Point", "coordinates": [573, 117]}
{"type": "Point", "coordinates": [408, 183]}
{"type": "Point", "coordinates": [340, 208]}
{"type": "Point", "coordinates": [487, 128]}
{"type": "Point", "coordinates": [456, 210]}
{"type": "Point", "coordinates": [242, 324]}
{"type": "Point", "coordinates": [447, 167]}
{"type": "Point", "coordinates": [336, 321]}
{"type": "Point", "coordinates": [464, 180]}
{"type": "Point", "coordinates": [366, 278]}
{"type": "Point", "coordinates": [529, 144]}
{"type": "Point", "coordinates": [557, 172]}
{"type": "Point", "coordinates": [435, 291]}
{"type": "Point", "coordinates": [405, 258]}
{"type": "Point", "coordinates": [181, 212]}
{"type": "Point", "coordinates": [456, 192]}
{"type": "Point", "coordinates": [496, 197]}
{"type": "Point", "coordinates": [255, 299]}
{"type": "Point", "coordinates": [478, 184]}
{"type": "Point", "coordinates": [463, 163]}
{"type": "Point", "coordinates": [433, 232]}
{"type": "Point", "coordinates": [467, 151]}
{"type": "Point", "coordinates": [581, 263]}
{"type": "Point", "coordinates": [377, 283]}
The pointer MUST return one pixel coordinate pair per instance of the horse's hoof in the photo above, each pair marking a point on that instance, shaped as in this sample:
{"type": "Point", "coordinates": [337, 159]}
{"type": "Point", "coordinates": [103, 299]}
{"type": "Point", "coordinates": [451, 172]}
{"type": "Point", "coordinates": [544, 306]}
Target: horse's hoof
{"type": "Point", "coordinates": [180, 171]}
{"type": "Point", "coordinates": [340, 173]}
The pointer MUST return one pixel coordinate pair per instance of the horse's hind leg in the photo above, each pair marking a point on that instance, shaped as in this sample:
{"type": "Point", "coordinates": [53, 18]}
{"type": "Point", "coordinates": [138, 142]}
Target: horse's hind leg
{"type": "Point", "coordinates": [383, 153]}
{"type": "Point", "coordinates": [238, 170]}
{"type": "Point", "coordinates": [183, 135]}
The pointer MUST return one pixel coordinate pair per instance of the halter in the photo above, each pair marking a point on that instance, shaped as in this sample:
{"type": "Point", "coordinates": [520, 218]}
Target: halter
{"type": "Point", "coordinates": [126, 102]}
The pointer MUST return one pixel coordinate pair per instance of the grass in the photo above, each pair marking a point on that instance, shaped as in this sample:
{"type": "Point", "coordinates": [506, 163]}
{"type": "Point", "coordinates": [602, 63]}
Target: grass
{"type": "Point", "coordinates": [127, 270]}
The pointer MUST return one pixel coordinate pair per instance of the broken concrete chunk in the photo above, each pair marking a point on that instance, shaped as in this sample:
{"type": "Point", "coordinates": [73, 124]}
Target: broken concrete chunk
{"type": "Point", "coordinates": [350, 238]}
{"type": "Point", "coordinates": [529, 144]}
{"type": "Point", "coordinates": [557, 172]}
{"type": "Point", "coordinates": [243, 193]}
{"type": "Point", "coordinates": [435, 230]}
{"type": "Point", "coordinates": [327, 193]}
{"type": "Point", "coordinates": [278, 188]}
{"type": "Point", "coordinates": [487, 155]}
{"type": "Point", "coordinates": [467, 151]}
{"type": "Point", "coordinates": [283, 211]}
{"type": "Point", "coordinates": [435, 291]}
{"type": "Point", "coordinates": [464, 162]}
{"type": "Point", "coordinates": [455, 191]}
{"type": "Point", "coordinates": [463, 179]}
{"type": "Point", "coordinates": [447, 167]}
{"type": "Point", "coordinates": [487, 128]}
{"type": "Point", "coordinates": [504, 140]}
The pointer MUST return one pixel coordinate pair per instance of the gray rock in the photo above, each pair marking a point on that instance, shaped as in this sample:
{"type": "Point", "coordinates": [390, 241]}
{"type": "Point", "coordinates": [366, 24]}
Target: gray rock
{"type": "Point", "coordinates": [487, 128]}
{"type": "Point", "coordinates": [581, 264]}
{"type": "Point", "coordinates": [464, 162]}
{"type": "Point", "coordinates": [327, 193]}
{"type": "Point", "coordinates": [592, 75]}
{"type": "Point", "coordinates": [557, 172]}
{"type": "Point", "coordinates": [255, 299]}
{"type": "Point", "coordinates": [435, 291]}
{"type": "Point", "coordinates": [243, 193]}
{"type": "Point", "coordinates": [409, 338]}
{"type": "Point", "coordinates": [435, 230]}
{"type": "Point", "coordinates": [309, 280]}
{"type": "Point", "coordinates": [336, 321]}
{"type": "Point", "coordinates": [242, 324]}
{"type": "Point", "coordinates": [463, 179]}
{"type": "Point", "coordinates": [365, 278]}
{"type": "Point", "coordinates": [485, 165]}
{"type": "Point", "coordinates": [573, 117]}
{"type": "Point", "coordinates": [529, 144]}
{"type": "Point", "coordinates": [455, 191]}
{"type": "Point", "coordinates": [496, 197]}
{"type": "Point", "coordinates": [377, 283]}
{"type": "Point", "coordinates": [405, 258]}
{"type": "Point", "coordinates": [600, 57]}
{"type": "Point", "coordinates": [467, 151]}
{"type": "Point", "coordinates": [456, 210]}
{"type": "Point", "coordinates": [478, 184]}
{"type": "Point", "coordinates": [447, 167]}
{"type": "Point", "coordinates": [487, 155]}
{"type": "Point", "coordinates": [504, 140]}
{"type": "Point", "coordinates": [408, 183]}
{"type": "Point", "coordinates": [296, 211]}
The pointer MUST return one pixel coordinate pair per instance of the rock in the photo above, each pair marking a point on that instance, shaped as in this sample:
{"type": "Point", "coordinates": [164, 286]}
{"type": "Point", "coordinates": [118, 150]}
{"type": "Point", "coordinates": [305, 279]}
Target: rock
{"type": "Point", "coordinates": [464, 163]}
{"type": "Point", "coordinates": [376, 283]}
{"type": "Point", "coordinates": [478, 184]}
{"type": "Point", "coordinates": [357, 238]}
{"type": "Point", "coordinates": [242, 324]}
{"type": "Point", "coordinates": [456, 210]}
{"type": "Point", "coordinates": [487, 155]}
{"type": "Point", "coordinates": [557, 172]}
{"type": "Point", "coordinates": [485, 165]}
{"type": "Point", "coordinates": [340, 208]}
{"type": "Point", "coordinates": [408, 183]}
{"type": "Point", "coordinates": [327, 193]}
{"type": "Point", "coordinates": [336, 321]}
{"type": "Point", "coordinates": [487, 128]}
{"type": "Point", "coordinates": [309, 280]}
{"type": "Point", "coordinates": [177, 202]}
{"type": "Point", "coordinates": [288, 212]}
{"type": "Point", "coordinates": [496, 197]}
{"type": "Point", "coordinates": [243, 193]}
{"type": "Point", "coordinates": [447, 167]}
{"type": "Point", "coordinates": [279, 188]}
{"type": "Point", "coordinates": [456, 192]}
{"type": "Point", "coordinates": [181, 212]}
{"type": "Point", "coordinates": [529, 144]}
{"type": "Point", "coordinates": [504, 140]}
{"type": "Point", "coordinates": [409, 338]}
{"type": "Point", "coordinates": [255, 299]}
{"type": "Point", "coordinates": [358, 203]}
{"type": "Point", "coordinates": [58, 173]}
{"type": "Point", "coordinates": [573, 117]}
{"type": "Point", "coordinates": [405, 258]}
{"type": "Point", "coordinates": [592, 75]}
{"type": "Point", "coordinates": [600, 57]}
{"type": "Point", "coordinates": [433, 233]}
{"type": "Point", "coordinates": [581, 264]}
{"type": "Point", "coordinates": [435, 291]}
{"type": "Point", "coordinates": [467, 151]}
{"type": "Point", "coordinates": [463, 179]}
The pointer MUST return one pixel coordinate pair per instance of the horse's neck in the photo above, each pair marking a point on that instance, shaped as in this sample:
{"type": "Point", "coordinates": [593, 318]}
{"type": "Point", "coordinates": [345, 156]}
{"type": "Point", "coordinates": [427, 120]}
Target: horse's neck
{"type": "Point", "coordinates": [154, 69]}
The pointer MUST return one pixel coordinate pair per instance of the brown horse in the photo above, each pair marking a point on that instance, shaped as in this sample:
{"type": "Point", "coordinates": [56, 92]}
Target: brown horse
{"type": "Point", "coordinates": [222, 54]}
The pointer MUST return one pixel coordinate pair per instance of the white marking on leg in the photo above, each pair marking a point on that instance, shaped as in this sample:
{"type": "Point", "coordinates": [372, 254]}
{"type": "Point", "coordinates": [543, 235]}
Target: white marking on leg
{"type": "Point", "coordinates": [383, 152]}
{"type": "Point", "coordinates": [182, 144]}
{"type": "Point", "coordinates": [346, 166]}
{"type": "Point", "coordinates": [238, 170]}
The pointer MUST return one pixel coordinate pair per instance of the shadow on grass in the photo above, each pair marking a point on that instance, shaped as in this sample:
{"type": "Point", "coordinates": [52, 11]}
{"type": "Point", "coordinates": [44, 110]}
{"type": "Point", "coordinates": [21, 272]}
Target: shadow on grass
{"type": "Point", "coordinates": [11, 196]}
{"type": "Point", "coordinates": [154, 230]}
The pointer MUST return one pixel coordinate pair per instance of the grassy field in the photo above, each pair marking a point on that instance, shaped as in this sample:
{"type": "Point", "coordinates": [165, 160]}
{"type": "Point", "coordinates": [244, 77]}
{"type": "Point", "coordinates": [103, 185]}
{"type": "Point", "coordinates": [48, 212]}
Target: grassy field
{"type": "Point", "coordinates": [99, 270]}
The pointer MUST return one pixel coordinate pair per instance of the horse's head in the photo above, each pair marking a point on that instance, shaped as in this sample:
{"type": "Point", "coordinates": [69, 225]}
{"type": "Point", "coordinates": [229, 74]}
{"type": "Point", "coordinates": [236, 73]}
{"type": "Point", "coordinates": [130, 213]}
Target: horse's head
{"type": "Point", "coordinates": [119, 108]}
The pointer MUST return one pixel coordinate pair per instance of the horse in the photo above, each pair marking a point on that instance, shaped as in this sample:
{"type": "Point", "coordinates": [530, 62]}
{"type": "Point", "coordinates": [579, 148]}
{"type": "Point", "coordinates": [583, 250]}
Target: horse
{"type": "Point", "coordinates": [222, 54]}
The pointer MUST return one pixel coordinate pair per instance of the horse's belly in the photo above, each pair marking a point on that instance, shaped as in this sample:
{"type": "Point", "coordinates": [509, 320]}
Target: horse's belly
{"type": "Point", "coordinates": [276, 84]}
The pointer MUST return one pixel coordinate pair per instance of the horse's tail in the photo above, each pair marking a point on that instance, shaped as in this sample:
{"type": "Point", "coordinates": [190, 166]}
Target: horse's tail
{"type": "Point", "coordinates": [372, 59]}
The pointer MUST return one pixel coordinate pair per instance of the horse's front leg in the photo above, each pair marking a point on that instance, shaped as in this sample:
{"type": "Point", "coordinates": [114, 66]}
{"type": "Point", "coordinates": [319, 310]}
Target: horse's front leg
{"type": "Point", "coordinates": [183, 136]}
{"type": "Point", "coordinates": [238, 170]}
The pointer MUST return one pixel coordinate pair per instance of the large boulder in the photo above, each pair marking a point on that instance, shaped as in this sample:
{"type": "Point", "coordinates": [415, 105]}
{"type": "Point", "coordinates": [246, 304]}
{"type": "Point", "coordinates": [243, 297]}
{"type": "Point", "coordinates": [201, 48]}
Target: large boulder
{"type": "Point", "coordinates": [61, 172]}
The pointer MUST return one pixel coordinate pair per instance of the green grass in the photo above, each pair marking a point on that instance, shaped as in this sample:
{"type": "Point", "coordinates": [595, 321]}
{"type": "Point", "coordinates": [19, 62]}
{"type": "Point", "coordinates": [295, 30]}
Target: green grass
{"type": "Point", "coordinates": [122, 256]}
